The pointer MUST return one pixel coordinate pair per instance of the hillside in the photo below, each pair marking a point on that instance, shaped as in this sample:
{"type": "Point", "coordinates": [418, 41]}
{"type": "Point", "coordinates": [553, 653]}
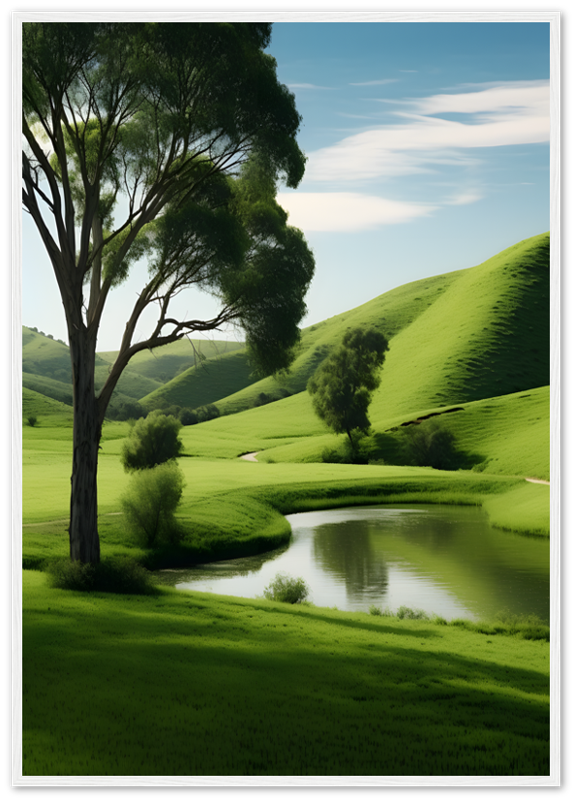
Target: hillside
{"type": "Point", "coordinates": [463, 338]}
{"type": "Point", "coordinates": [205, 382]}
{"type": "Point", "coordinates": [466, 335]}
{"type": "Point", "coordinates": [46, 367]}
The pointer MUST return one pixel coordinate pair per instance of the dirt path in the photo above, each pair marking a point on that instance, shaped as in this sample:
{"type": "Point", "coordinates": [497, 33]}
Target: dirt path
{"type": "Point", "coordinates": [249, 456]}
{"type": "Point", "coordinates": [537, 480]}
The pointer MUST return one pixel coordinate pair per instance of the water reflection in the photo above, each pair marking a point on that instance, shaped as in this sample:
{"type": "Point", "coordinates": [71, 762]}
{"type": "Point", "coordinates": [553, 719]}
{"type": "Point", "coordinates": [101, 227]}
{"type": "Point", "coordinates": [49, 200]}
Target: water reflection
{"type": "Point", "coordinates": [344, 550]}
{"type": "Point", "coordinates": [443, 559]}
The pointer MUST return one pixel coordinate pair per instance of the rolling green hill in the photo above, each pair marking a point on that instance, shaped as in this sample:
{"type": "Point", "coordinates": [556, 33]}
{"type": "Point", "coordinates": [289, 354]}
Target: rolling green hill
{"type": "Point", "coordinates": [466, 335]}
{"type": "Point", "coordinates": [46, 368]}
{"type": "Point", "coordinates": [476, 338]}
{"type": "Point", "coordinates": [204, 383]}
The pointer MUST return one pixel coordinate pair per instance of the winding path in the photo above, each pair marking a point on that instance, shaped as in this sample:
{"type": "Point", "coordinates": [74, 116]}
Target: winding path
{"type": "Point", "coordinates": [249, 456]}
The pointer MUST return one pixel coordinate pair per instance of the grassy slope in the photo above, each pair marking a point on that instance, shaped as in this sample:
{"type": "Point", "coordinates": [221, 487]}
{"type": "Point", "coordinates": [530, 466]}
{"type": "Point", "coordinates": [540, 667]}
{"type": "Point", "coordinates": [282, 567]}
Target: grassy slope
{"type": "Point", "coordinates": [171, 678]}
{"type": "Point", "coordinates": [488, 335]}
{"type": "Point", "coordinates": [466, 335]}
{"type": "Point", "coordinates": [204, 383]}
{"type": "Point", "coordinates": [47, 370]}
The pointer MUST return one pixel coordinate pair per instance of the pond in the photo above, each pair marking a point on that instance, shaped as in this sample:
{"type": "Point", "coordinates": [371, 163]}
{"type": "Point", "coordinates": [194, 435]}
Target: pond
{"type": "Point", "coordinates": [445, 560]}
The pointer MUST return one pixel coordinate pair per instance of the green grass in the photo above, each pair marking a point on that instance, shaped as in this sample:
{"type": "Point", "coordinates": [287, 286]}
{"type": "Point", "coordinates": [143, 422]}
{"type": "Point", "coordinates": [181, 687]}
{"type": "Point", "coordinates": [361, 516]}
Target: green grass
{"type": "Point", "coordinates": [49, 412]}
{"type": "Point", "coordinates": [188, 684]}
{"type": "Point", "coordinates": [203, 383]}
{"type": "Point", "coordinates": [526, 502]}
{"type": "Point", "coordinates": [192, 684]}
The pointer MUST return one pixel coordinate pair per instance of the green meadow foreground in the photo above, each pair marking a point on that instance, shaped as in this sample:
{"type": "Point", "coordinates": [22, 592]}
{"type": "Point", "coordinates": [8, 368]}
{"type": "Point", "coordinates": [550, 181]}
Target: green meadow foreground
{"type": "Point", "coordinates": [184, 683]}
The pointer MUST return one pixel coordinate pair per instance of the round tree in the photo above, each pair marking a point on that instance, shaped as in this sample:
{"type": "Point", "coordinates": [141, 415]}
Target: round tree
{"type": "Point", "coordinates": [343, 386]}
{"type": "Point", "coordinates": [152, 441]}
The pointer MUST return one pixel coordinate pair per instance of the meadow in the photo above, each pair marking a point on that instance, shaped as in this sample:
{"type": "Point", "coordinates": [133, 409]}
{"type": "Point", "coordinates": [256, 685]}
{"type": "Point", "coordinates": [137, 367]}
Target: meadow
{"type": "Point", "coordinates": [184, 683]}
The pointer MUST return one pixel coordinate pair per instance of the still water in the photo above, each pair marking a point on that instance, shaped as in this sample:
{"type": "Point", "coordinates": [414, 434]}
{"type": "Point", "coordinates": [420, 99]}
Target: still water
{"type": "Point", "coordinates": [445, 560]}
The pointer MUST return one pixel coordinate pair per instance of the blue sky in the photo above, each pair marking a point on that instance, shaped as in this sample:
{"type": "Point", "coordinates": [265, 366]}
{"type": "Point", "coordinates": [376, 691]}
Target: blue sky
{"type": "Point", "coordinates": [428, 151]}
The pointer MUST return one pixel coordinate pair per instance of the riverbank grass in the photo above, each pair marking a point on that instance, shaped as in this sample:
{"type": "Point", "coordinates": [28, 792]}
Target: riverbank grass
{"type": "Point", "coordinates": [184, 683]}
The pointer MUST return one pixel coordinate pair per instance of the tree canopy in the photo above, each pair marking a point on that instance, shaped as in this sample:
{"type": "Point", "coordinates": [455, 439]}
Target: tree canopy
{"type": "Point", "coordinates": [343, 386]}
{"type": "Point", "coordinates": [153, 440]}
{"type": "Point", "coordinates": [163, 143]}
{"type": "Point", "coordinates": [185, 128]}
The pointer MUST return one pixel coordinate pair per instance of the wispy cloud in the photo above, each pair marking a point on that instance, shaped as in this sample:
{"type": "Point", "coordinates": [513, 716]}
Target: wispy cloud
{"type": "Point", "coordinates": [347, 211]}
{"type": "Point", "coordinates": [463, 199]}
{"type": "Point", "coordinates": [514, 113]}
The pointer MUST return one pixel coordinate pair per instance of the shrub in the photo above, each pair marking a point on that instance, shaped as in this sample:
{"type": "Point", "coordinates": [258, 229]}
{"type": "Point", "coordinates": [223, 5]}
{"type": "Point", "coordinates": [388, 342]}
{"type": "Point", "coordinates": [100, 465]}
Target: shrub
{"type": "Point", "coordinates": [331, 455]}
{"type": "Point", "coordinates": [152, 441]}
{"type": "Point", "coordinates": [429, 445]}
{"type": "Point", "coordinates": [32, 420]}
{"type": "Point", "coordinates": [188, 417]}
{"type": "Point", "coordinates": [205, 413]}
{"type": "Point", "coordinates": [149, 505]}
{"type": "Point", "coordinates": [375, 611]}
{"type": "Point", "coordinates": [120, 575]}
{"type": "Point", "coordinates": [347, 453]}
{"type": "Point", "coordinates": [411, 613]}
{"type": "Point", "coordinates": [285, 589]}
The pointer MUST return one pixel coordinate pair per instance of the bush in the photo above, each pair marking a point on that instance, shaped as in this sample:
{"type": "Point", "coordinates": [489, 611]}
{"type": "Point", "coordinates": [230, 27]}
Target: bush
{"type": "Point", "coordinates": [149, 505]}
{"type": "Point", "coordinates": [284, 589]}
{"type": "Point", "coordinates": [346, 453]}
{"type": "Point", "coordinates": [429, 445]}
{"type": "Point", "coordinates": [205, 413]}
{"type": "Point", "coordinates": [120, 575]}
{"type": "Point", "coordinates": [32, 420]}
{"type": "Point", "coordinates": [152, 441]}
{"type": "Point", "coordinates": [188, 417]}
{"type": "Point", "coordinates": [411, 613]}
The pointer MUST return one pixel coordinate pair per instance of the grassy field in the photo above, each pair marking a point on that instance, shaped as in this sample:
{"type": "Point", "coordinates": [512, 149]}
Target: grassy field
{"type": "Point", "coordinates": [193, 684]}
{"type": "Point", "coordinates": [183, 683]}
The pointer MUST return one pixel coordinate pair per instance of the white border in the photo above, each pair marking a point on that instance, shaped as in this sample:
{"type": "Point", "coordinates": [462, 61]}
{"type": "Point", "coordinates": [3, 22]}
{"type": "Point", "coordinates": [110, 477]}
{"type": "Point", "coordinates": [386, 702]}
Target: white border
{"type": "Point", "coordinates": [553, 18]}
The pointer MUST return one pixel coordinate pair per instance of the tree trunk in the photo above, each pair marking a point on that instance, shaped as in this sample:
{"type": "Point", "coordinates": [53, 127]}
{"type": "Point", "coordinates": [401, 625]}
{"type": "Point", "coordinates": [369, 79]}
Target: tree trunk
{"type": "Point", "coordinates": [84, 539]}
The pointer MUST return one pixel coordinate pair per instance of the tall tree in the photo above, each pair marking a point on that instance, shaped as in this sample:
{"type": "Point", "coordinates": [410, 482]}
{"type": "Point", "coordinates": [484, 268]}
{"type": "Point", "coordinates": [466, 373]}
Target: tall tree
{"type": "Point", "coordinates": [166, 142]}
{"type": "Point", "coordinates": [343, 385]}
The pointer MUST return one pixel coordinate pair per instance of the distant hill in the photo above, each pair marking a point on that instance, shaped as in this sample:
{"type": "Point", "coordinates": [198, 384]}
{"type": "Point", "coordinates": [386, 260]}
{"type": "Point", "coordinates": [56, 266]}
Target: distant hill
{"type": "Point", "coordinates": [46, 367]}
{"type": "Point", "coordinates": [459, 337]}
{"type": "Point", "coordinates": [204, 383]}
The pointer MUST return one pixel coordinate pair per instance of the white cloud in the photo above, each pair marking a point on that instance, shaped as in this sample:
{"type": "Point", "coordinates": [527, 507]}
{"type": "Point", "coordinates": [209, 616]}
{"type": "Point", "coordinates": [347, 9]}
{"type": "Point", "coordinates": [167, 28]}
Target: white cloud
{"type": "Point", "coordinates": [531, 97]}
{"type": "Point", "coordinates": [347, 211]}
{"type": "Point", "coordinates": [505, 114]}
{"type": "Point", "coordinates": [463, 199]}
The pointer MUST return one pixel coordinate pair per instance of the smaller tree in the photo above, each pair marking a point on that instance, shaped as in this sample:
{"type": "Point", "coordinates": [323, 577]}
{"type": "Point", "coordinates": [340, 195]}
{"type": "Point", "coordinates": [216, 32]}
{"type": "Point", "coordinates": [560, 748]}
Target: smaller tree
{"type": "Point", "coordinates": [153, 440]}
{"type": "Point", "coordinates": [343, 386]}
{"type": "Point", "coordinates": [149, 505]}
